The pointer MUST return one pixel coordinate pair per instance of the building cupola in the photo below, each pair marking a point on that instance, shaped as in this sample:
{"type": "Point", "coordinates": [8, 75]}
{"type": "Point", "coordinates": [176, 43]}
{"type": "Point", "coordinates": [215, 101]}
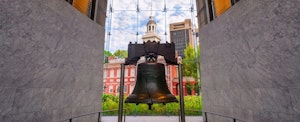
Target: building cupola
{"type": "Point", "coordinates": [151, 25]}
{"type": "Point", "coordinates": [151, 34]}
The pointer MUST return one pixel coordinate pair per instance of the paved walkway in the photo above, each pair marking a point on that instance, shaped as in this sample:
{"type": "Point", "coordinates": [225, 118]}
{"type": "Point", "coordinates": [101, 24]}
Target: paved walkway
{"type": "Point", "coordinates": [152, 119]}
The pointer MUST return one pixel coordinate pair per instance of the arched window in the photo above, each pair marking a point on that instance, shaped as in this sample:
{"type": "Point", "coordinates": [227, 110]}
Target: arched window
{"type": "Point", "coordinates": [152, 28]}
{"type": "Point", "coordinates": [149, 28]}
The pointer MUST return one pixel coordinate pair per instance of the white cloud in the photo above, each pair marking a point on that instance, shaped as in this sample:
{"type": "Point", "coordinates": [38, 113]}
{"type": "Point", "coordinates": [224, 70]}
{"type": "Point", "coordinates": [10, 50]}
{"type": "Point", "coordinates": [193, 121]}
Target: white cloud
{"type": "Point", "coordinates": [124, 24]}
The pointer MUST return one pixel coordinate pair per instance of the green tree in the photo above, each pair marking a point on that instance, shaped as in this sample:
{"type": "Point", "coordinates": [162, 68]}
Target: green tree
{"type": "Point", "coordinates": [198, 84]}
{"type": "Point", "coordinates": [191, 66]}
{"type": "Point", "coordinates": [106, 55]}
{"type": "Point", "coordinates": [189, 62]}
{"type": "Point", "coordinates": [196, 87]}
{"type": "Point", "coordinates": [121, 53]}
{"type": "Point", "coordinates": [189, 87]}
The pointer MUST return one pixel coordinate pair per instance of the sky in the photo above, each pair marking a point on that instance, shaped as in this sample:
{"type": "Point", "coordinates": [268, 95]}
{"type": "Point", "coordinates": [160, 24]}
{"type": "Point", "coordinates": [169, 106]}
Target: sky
{"type": "Point", "coordinates": [123, 23]}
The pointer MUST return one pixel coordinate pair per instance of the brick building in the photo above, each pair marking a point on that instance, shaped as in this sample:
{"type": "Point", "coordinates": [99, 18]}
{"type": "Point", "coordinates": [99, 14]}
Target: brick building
{"type": "Point", "coordinates": [112, 74]}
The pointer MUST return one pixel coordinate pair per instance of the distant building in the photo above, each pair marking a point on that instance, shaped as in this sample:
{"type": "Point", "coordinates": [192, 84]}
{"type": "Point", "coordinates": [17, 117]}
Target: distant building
{"type": "Point", "coordinates": [112, 77]}
{"type": "Point", "coordinates": [181, 33]}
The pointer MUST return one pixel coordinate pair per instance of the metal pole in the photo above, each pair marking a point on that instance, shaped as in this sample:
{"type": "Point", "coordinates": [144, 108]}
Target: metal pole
{"type": "Point", "coordinates": [99, 117]}
{"type": "Point", "coordinates": [124, 115]}
{"type": "Point", "coordinates": [179, 115]}
{"type": "Point", "coordinates": [182, 115]}
{"type": "Point", "coordinates": [121, 94]}
{"type": "Point", "coordinates": [205, 117]}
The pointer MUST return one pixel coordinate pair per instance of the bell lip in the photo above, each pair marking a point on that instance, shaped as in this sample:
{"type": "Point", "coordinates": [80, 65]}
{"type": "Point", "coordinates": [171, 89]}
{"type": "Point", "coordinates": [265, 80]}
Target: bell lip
{"type": "Point", "coordinates": [152, 102]}
{"type": "Point", "coordinates": [146, 101]}
{"type": "Point", "coordinates": [151, 63]}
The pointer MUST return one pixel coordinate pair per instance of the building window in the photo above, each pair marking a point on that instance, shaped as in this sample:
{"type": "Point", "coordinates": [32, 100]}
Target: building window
{"type": "Point", "coordinates": [104, 87]}
{"type": "Point", "coordinates": [118, 90]}
{"type": "Point", "coordinates": [118, 73]}
{"type": "Point", "coordinates": [125, 88]}
{"type": "Point", "coordinates": [112, 73]}
{"type": "Point", "coordinates": [132, 72]}
{"type": "Point", "coordinates": [111, 88]}
{"type": "Point", "coordinates": [126, 72]}
{"type": "Point", "coordinates": [104, 73]}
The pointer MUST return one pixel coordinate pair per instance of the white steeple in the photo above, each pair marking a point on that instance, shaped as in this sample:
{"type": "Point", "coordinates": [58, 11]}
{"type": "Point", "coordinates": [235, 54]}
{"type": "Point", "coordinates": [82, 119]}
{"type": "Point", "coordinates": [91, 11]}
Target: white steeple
{"type": "Point", "coordinates": [151, 34]}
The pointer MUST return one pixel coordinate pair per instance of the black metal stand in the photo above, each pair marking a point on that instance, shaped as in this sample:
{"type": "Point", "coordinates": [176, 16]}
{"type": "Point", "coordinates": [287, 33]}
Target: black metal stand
{"type": "Point", "coordinates": [121, 94]}
{"type": "Point", "coordinates": [181, 96]}
{"type": "Point", "coordinates": [182, 114]}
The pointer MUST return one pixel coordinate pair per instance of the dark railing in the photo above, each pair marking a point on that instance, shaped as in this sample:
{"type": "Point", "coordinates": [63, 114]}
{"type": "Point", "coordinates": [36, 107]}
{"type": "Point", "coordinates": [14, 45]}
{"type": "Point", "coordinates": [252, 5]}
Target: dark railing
{"type": "Point", "coordinates": [200, 111]}
{"type": "Point", "coordinates": [99, 115]}
{"type": "Point", "coordinates": [204, 115]}
{"type": "Point", "coordinates": [233, 118]}
{"type": "Point", "coordinates": [187, 110]}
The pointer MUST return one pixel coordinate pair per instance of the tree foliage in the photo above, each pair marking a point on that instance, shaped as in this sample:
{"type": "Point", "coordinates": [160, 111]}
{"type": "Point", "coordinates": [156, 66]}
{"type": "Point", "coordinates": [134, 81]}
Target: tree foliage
{"type": "Point", "coordinates": [107, 53]}
{"type": "Point", "coordinates": [189, 62]}
{"type": "Point", "coordinates": [191, 87]}
{"type": "Point", "coordinates": [121, 53]}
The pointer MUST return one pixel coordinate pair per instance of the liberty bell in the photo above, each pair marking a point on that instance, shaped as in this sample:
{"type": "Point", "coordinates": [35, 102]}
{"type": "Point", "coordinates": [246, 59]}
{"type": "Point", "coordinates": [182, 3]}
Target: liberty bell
{"type": "Point", "coordinates": [151, 86]}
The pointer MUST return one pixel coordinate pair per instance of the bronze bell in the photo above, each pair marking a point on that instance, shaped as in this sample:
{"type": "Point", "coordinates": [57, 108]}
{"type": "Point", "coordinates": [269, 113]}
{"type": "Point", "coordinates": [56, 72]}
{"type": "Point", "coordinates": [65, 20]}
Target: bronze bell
{"type": "Point", "coordinates": [151, 86]}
